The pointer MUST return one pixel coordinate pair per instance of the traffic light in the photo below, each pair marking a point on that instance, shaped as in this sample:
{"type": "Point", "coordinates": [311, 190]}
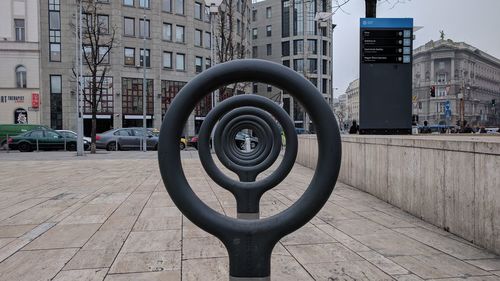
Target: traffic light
{"type": "Point", "coordinates": [433, 91]}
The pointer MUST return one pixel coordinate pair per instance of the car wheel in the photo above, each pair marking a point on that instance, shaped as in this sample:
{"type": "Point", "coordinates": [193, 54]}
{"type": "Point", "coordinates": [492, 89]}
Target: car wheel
{"type": "Point", "coordinates": [182, 146]}
{"type": "Point", "coordinates": [24, 147]}
{"type": "Point", "coordinates": [71, 146]}
{"type": "Point", "coordinates": [111, 146]}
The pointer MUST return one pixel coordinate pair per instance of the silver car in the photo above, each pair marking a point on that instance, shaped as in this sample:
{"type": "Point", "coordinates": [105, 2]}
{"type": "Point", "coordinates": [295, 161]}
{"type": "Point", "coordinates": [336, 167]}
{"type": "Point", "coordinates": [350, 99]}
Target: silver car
{"type": "Point", "coordinates": [125, 138]}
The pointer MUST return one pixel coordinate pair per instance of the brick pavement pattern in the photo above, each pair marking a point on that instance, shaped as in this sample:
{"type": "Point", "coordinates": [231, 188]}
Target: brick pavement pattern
{"type": "Point", "coordinates": [108, 217]}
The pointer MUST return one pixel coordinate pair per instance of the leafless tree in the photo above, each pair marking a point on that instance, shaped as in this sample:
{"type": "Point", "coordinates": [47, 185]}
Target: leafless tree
{"type": "Point", "coordinates": [231, 38]}
{"type": "Point", "coordinates": [98, 38]}
{"type": "Point", "coordinates": [370, 6]}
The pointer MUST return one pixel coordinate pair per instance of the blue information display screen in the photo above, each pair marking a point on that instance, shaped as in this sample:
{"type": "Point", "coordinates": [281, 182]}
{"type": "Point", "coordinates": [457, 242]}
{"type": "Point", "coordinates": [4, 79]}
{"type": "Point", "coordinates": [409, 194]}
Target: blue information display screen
{"type": "Point", "coordinates": [385, 40]}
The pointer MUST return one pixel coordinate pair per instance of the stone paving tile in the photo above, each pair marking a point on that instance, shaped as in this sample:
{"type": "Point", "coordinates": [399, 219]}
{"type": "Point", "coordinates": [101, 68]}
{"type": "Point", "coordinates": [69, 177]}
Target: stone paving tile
{"type": "Point", "coordinates": [438, 266]}
{"type": "Point", "coordinates": [64, 236]}
{"type": "Point", "coordinates": [486, 264]}
{"type": "Point", "coordinates": [120, 219]}
{"type": "Point", "coordinates": [347, 270]}
{"type": "Point", "coordinates": [475, 278]}
{"type": "Point", "coordinates": [86, 259]}
{"type": "Point", "coordinates": [14, 231]}
{"type": "Point", "coordinates": [34, 265]}
{"type": "Point", "coordinates": [445, 244]}
{"type": "Point", "coordinates": [96, 274]}
{"type": "Point", "coordinates": [152, 241]}
{"type": "Point", "coordinates": [146, 262]}
{"type": "Point", "coordinates": [148, 276]}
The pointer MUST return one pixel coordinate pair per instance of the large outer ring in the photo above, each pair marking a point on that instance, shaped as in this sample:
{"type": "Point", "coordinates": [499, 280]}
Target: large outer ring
{"type": "Point", "coordinates": [268, 230]}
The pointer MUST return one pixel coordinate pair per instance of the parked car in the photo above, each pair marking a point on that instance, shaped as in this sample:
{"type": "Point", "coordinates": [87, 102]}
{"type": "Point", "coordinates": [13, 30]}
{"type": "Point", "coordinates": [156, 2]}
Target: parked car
{"type": "Point", "coordinates": [44, 140]}
{"type": "Point", "coordinates": [125, 138]}
{"type": "Point", "coordinates": [182, 144]}
{"type": "Point", "coordinates": [16, 129]}
{"type": "Point", "coordinates": [71, 134]}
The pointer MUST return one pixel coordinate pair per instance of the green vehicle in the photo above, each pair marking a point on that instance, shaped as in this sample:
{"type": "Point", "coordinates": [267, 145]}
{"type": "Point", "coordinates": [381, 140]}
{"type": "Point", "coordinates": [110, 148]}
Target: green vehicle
{"type": "Point", "coordinates": [43, 140]}
{"type": "Point", "coordinates": [16, 129]}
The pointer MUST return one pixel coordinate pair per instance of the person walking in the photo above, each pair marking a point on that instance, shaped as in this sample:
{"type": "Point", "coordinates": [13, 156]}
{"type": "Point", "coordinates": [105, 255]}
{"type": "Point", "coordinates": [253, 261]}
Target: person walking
{"type": "Point", "coordinates": [354, 128]}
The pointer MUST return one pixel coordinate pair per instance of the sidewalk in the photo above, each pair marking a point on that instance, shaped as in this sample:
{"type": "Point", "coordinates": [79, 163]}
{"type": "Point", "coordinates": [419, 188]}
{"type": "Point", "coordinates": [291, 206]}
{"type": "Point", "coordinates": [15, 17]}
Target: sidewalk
{"type": "Point", "coordinates": [111, 219]}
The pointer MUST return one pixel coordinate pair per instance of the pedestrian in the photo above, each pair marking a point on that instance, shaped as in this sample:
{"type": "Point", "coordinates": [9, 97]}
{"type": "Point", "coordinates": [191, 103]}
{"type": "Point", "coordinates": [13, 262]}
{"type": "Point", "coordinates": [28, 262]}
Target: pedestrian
{"type": "Point", "coordinates": [354, 128]}
{"type": "Point", "coordinates": [425, 129]}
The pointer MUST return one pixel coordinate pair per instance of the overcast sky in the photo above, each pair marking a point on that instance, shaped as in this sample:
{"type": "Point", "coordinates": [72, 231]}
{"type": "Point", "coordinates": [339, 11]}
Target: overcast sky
{"type": "Point", "coordinates": [475, 22]}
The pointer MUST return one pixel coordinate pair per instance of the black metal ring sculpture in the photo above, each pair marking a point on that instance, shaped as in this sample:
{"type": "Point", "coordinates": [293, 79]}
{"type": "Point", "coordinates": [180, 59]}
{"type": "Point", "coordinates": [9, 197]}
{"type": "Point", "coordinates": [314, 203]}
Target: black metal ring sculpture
{"type": "Point", "coordinates": [250, 242]}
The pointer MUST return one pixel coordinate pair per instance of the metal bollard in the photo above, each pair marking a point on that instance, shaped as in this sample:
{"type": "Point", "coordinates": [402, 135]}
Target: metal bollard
{"type": "Point", "coordinates": [249, 240]}
{"type": "Point", "coordinates": [37, 148]}
{"type": "Point", "coordinates": [7, 142]}
{"type": "Point", "coordinates": [64, 142]}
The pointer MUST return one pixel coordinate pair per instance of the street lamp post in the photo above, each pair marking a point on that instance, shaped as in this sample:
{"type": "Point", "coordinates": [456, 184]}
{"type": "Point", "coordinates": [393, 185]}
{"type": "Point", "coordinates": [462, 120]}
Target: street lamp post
{"type": "Point", "coordinates": [214, 10]}
{"type": "Point", "coordinates": [79, 84]}
{"type": "Point", "coordinates": [144, 88]}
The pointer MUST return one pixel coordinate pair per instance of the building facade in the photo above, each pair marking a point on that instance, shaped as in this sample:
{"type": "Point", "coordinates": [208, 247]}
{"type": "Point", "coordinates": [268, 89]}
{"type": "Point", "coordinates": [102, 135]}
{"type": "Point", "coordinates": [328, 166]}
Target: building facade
{"type": "Point", "coordinates": [19, 57]}
{"type": "Point", "coordinates": [352, 102]}
{"type": "Point", "coordinates": [178, 46]}
{"type": "Point", "coordinates": [286, 32]}
{"type": "Point", "coordinates": [465, 81]}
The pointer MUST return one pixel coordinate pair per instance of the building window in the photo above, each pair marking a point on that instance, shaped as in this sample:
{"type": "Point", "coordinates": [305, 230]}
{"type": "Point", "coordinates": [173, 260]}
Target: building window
{"type": "Point", "coordinates": [54, 5]}
{"type": "Point", "coordinates": [312, 65]}
{"type": "Point", "coordinates": [298, 18]}
{"type": "Point", "coordinates": [314, 81]}
{"type": "Point", "coordinates": [285, 48]}
{"type": "Point", "coordinates": [238, 27]}
{"type": "Point", "coordinates": [198, 64]}
{"type": "Point", "coordinates": [286, 63]}
{"type": "Point", "coordinates": [56, 102]}
{"type": "Point", "coordinates": [197, 10]}
{"type": "Point", "coordinates": [144, 28]}
{"type": "Point", "coordinates": [55, 52]}
{"type": "Point", "coordinates": [21, 76]}
{"type": "Point", "coordinates": [255, 51]}
{"type": "Point", "coordinates": [325, 48]}
{"type": "Point", "coordinates": [180, 62]}
{"type": "Point", "coordinates": [129, 56]}
{"type": "Point", "coordinates": [268, 12]}
{"type": "Point", "coordinates": [441, 77]}
{"type": "Point", "coordinates": [311, 46]}
{"type": "Point", "coordinates": [208, 40]}
{"type": "Point", "coordinates": [148, 58]}
{"type": "Point", "coordinates": [298, 65]}
{"type": "Point", "coordinates": [54, 31]}
{"type": "Point", "coordinates": [144, 4]}
{"type": "Point", "coordinates": [103, 24]}
{"type": "Point", "coordinates": [167, 31]}
{"type": "Point", "coordinates": [167, 60]}
{"type": "Point", "coordinates": [104, 54]}
{"type": "Point", "coordinates": [129, 26]}
{"type": "Point", "coordinates": [179, 33]}
{"type": "Point", "coordinates": [298, 47]}
{"type": "Point", "coordinates": [197, 37]}
{"type": "Point", "coordinates": [167, 6]}
{"type": "Point", "coordinates": [268, 30]}
{"type": "Point", "coordinates": [179, 7]}
{"type": "Point", "coordinates": [208, 63]}
{"type": "Point", "coordinates": [238, 5]}
{"type": "Point", "coordinates": [169, 90]}
{"type": "Point", "coordinates": [324, 85]}
{"type": "Point", "coordinates": [269, 88]}
{"type": "Point", "coordinates": [128, 2]}
{"type": "Point", "coordinates": [19, 26]}
{"type": "Point", "coordinates": [105, 105]}
{"type": "Point", "coordinates": [254, 15]}
{"type": "Point", "coordinates": [269, 49]}
{"type": "Point", "coordinates": [254, 33]}
{"type": "Point", "coordinates": [207, 14]}
{"type": "Point", "coordinates": [132, 99]}
{"type": "Point", "coordinates": [285, 22]}
{"type": "Point", "coordinates": [325, 66]}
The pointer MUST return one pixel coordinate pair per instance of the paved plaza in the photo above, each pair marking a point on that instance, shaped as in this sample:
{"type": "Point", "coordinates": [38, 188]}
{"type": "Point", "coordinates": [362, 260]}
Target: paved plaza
{"type": "Point", "coordinates": [108, 217]}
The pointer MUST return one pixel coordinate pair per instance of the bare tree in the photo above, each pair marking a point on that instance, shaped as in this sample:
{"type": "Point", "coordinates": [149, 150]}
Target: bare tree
{"type": "Point", "coordinates": [98, 38]}
{"type": "Point", "coordinates": [231, 38]}
{"type": "Point", "coordinates": [370, 6]}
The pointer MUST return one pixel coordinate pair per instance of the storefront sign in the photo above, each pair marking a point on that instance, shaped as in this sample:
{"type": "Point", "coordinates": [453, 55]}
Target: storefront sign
{"type": "Point", "coordinates": [35, 100]}
{"type": "Point", "coordinates": [11, 99]}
